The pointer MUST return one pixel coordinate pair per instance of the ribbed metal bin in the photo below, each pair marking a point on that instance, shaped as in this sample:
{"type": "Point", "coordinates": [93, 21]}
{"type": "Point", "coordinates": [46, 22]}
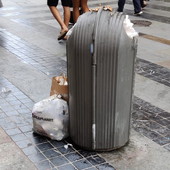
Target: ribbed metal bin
{"type": "Point", "coordinates": [100, 59]}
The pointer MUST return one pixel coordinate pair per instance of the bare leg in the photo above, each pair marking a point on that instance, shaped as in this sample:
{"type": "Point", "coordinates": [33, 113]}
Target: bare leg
{"type": "Point", "coordinates": [58, 17]}
{"type": "Point", "coordinates": [84, 6]}
{"type": "Point", "coordinates": [76, 13]}
{"type": "Point", "coordinates": [66, 15]}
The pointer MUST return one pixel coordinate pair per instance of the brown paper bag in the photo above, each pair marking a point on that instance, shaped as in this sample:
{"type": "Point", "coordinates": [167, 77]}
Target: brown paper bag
{"type": "Point", "coordinates": [56, 88]}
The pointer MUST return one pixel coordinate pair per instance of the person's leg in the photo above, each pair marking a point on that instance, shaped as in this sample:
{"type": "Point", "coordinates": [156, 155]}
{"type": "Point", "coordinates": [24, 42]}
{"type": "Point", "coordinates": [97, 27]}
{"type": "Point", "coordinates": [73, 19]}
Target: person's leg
{"type": "Point", "coordinates": [121, 4]}
{"type": "Point", "coordinates": [84, 6]}
{"type": "Point", "coordinates": [66, 15]}
{"type": "Point", "coordinates": [141, 3]}
{"type": "Point", "coordinates": [76, 12]}
{"type": "Point", "coordinates": [137, 6]}
{"type": "Point", "coordinates": [58, 17]}
{"type": "Point", "coordinates": [66, 10]}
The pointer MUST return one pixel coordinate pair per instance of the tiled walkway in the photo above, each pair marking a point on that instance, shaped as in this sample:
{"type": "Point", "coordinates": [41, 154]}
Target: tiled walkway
{"type": "Point", "coordinates": [153, 71]}
{"type": "Point", "coordinates": [31, 54]}
{"type": "Point", "coordinates": [152, 122]}
{"type": "Point", "coordinates": [16, 106]}
{"type": "Point", "coordinates": [16, 120]}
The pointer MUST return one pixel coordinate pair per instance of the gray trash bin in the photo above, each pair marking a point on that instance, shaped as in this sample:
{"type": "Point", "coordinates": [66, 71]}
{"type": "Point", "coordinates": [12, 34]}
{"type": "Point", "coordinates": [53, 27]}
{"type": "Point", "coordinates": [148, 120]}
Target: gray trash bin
{"type": "Point", "coordinates": [100, 59]}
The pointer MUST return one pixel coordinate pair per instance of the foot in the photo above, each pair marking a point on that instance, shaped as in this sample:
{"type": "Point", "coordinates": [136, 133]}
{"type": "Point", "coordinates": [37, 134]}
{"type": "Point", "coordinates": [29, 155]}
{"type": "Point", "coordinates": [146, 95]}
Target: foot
{"type": "Point", "coordinates": [119, 10]}
{"type": "Point", "coordinates": [138, 13]}
{"type": "Point", "coordinates": [62, 34]}
{"type": "Point", "coordinates": [65, 38]}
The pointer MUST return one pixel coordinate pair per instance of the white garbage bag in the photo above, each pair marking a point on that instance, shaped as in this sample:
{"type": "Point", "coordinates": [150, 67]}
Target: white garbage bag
{"type": "Point", "coordinates": [51, 118]}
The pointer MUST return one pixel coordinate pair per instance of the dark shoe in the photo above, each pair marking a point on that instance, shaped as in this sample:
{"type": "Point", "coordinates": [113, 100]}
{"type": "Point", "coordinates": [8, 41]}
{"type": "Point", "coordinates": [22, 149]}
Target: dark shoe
{"type": "Point", "coordinates": [119, 10]}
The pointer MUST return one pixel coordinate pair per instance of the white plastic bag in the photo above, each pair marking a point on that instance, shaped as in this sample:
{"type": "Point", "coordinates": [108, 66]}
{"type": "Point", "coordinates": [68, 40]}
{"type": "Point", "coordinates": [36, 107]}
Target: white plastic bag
{"type": "Point", "coordinates": [51, 118]}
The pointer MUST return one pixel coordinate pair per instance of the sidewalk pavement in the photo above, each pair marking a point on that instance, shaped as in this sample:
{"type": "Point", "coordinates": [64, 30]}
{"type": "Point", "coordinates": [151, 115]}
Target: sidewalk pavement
{"type": "Point", "coordinates": [30, 55]}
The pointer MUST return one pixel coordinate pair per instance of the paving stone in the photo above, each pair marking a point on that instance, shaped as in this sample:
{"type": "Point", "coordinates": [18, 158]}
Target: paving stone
{"type": "Point", "coordinates": [9, 158]}
{"type": "Point", "coordinates": [67, 166]}
{"type": "Point", "coordinates": [51, 153]}
{"type": "Point", "coordinates": [60, 160]}
{"type": "Point", "coordinates": [44, 165]}
{"type": "Point", "coordinates": [37, 157]}
{"type": "Point", "coordinates": [31, 61]}
{"type": "Point", "coordinates": [13, 131]}
{"type": "Point", "coordinates": [73, 156]}
{"type": "Point", "coordinates": [24, 143]}
{"type": "Point", "coordinates": [4, 137]}
{"type": "Point", "coordinates": [82, 164]}
{"type": "Point", "coordinates": [95, 160]}
{"type": "Point", "coordinates": [44, 146]}
{"type": "Point", "coordinates": [30, 150]}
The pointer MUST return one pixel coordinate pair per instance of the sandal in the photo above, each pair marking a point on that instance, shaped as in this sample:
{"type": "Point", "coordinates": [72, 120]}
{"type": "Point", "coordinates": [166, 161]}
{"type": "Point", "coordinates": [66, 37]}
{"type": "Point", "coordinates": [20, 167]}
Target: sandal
{"type": "Point", "coordinates": [62, 35]}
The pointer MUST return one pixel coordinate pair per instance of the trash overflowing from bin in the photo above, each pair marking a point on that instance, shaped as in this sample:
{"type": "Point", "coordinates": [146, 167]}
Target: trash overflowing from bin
{"type": "Point", "coordinates": [51, 118]}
